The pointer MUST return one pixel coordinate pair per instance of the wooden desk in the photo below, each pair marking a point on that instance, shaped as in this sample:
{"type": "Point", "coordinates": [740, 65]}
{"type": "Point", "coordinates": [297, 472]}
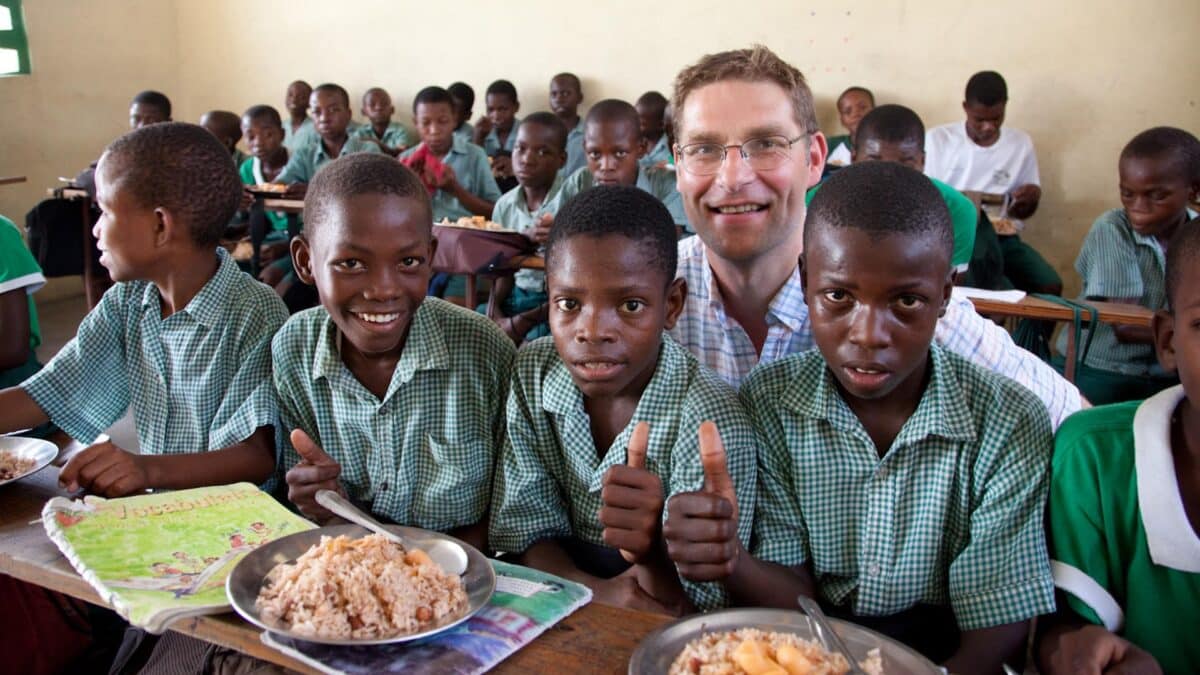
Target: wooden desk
{"type": "Point", "coordinates": [595, 639]}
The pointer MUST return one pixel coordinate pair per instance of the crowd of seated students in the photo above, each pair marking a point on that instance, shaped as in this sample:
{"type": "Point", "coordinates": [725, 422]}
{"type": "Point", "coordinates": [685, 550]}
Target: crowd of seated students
{"type": "Point", "coordinates": [743, 375]}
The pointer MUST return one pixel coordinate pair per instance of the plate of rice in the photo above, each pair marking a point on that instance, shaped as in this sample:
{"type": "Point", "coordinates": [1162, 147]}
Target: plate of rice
{"type": "Point", "coordinates": [751, 641]}
{"type": "Point", "coordinates": [20, 457]}
{"type": "Point", "coordinates": [344, 585]}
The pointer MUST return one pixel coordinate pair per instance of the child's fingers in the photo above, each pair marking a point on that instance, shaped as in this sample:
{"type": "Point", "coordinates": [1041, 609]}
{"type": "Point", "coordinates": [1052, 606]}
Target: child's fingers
{"type": "Point", "coordinates": [646, 497]}
{"type": "Point", "coordinates": [702, 505]}
{"type": "Point", "coordinates": [85, 466]}
{"type": "Point", "coordinates": [638, 442]}
{"type": "Point", "coordinates": [313, 474]}
{"type": "Point", "coordinates": [712, 455]}
{"type": "Point", "coordinates": [308, 450]}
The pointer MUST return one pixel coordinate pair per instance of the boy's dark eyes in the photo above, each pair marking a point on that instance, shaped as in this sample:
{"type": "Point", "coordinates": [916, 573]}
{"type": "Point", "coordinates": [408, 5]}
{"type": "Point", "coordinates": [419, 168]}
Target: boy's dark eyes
{"type": "Point", "coordinates": [836, 295]}
{"type": "Point", "coordinates": [349, 264]}
{"type": "Point", "coordinates": [566, 304]}
{"type": "Point", "coordinates": [910, 301]}
{"type": "Point", "coordinates": [632, 306]}
{"type": "Point", "coordinates": [412, 261]}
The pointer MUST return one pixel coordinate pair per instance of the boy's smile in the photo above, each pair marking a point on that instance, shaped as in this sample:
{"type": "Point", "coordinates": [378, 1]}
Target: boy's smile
{"type": "Point", "coordinates": [371, 263]}
{"type": "Point", "coordinates": [613, 149]}
{"type": "Point", "coordinates": [873, 306]}
{"type": "Point", "coordinates": [608, 307]}
{"type": "Point", "coordinates": [536, 159]}
{"type": "Point", "coordinates": [1155, 194]}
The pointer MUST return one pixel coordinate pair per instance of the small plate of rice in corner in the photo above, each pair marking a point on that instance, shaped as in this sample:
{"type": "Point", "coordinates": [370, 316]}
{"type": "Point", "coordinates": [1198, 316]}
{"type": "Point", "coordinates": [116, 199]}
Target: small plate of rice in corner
{"type": "Point", "coordinates": [752, 641]}
{"type": "Point", "coordinates": [344, 585]}
{"type": "Point", "coordinates": [21, 456]}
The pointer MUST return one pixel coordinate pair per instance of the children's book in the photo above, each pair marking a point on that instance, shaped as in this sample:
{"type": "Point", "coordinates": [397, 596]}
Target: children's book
{"type": "Point", "coordinates": [159, 557]}
{"type": "Point", "coordinates": [525, 604]}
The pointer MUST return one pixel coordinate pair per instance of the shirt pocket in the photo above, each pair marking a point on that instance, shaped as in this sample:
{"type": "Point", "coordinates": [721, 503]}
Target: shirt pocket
{"type": "Point", "coordinates": [459, 472]}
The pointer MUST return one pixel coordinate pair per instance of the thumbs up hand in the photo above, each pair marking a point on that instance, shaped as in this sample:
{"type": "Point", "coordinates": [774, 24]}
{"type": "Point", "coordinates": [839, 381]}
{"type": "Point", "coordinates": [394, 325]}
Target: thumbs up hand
{"type": "Point", "coordinates": [701, 527]}
{"type": "Point", "coordinates": [316, 471]}
{"type": "Point", "coordinates": [632, 502]}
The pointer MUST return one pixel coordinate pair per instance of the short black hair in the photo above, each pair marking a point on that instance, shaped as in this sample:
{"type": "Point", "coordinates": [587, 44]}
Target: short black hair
{"type": "Point", "coordinates": [155, 98]}
{"type": "Point", "coordinates": [891, 123]}
{"type": "Point", "coordinates": [361, 174]}
{"type": "Point", "coordinates": [614, 110]}
{"type": "Point", "coordinates": [572, 77]}
{"type": "Point", "coordinates": [552, 122]}
{"type": "Point", "coordinates": [1167, 142]}
{"type": "Point", "coordinates": [263, 112]}
{"type": "Point", "coordinates": [463, 92]}
{"type": "Point", "coordinates": [503, 87]}
{"type": "Point", "coordinates": [882, 199]}
{"type": "Point", "coordinates": [372, 90]}
{"type": "Point", "coordinates": [331, 88]}
{"type": "Point", "coordinates": [856, 88]}
{"type": "Point", "coordinates": [987, 88]}
{"type": "Point", "coordinates": [654, 99]}
{"type": "Point", "coordinates": [622, 210]}
{"type": "Point", "coordinates": [1183, 253]}
{"type": "Point", "coordinates": [181, 168]}
{"type": "Point", "coordinates": [226, 122]}
{"type": "Point", "coordinates": [430, 95]}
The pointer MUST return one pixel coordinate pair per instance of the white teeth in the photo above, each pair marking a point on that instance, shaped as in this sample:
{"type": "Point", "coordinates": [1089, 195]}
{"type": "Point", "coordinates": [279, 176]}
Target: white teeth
{"type": "Point", "coordinates": [593, 365]}
{"type": "Point", "coordinates": [740, 208]}
{"type": "Point", "coordinates": [868, 372]}
{"type": "Point", "coordinates": [378, 318]}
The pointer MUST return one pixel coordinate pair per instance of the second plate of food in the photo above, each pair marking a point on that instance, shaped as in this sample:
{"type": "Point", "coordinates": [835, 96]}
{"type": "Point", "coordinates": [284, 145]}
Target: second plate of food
{"type": "Point", "coordinates": [712, 643]}
{"type": "Point", "coordinates": [355, 589]}
{"type": "Point", "coordinates": [21, 457]}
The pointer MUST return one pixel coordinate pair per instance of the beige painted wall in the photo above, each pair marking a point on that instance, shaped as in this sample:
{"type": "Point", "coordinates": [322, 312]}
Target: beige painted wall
{"type": "Point", "coordinates": [1083, 76]}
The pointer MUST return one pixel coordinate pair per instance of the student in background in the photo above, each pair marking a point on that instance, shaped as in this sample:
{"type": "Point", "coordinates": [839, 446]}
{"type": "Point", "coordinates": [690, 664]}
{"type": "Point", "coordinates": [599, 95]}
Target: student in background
{"type": "Point", "coordinates": [263, 130]}
{"type": "Point", "coordinates": [1123, 259]}
{"type": "Point", "coordinates": [149, 107]}
{"type": "Point", "coordinates": [1124, 517]}
{"type": "Point", "coordinates": [20, 278]}
{"type": "Point", "coordinates": [331, 115]}
{"type": "Point", "coordinates": [519, 303]}
{"type": "Point", "coordinates": [852, 106]}
{"type": "Point", "coordinates": [605, 421]}
{"type": "Point", "coordinates": [613, 143]}
{"type": "Point", "coordinates": [651, 109]}
{"type": "Point", "coordinates": [566, 93]}
{"type": "Point", "coordinates": [464, 102]}
{"type": "Point", "coordinates": [496, 131]}
{"type": "Point", "coordinates": [982, 155]}
{"type": "Point", "coordinates": [299, 129]}
{"type": "Point", "coordinates": [391, 398]}
{"type": "Point", "coordinates": [227, 127]}
{"type": "Point", "coordinates": [391, 137]}
{"type": "Point", "coordinates": [900, 485]}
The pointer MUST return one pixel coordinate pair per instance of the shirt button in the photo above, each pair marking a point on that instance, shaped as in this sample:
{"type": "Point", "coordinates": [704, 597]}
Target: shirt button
{"type": "Point", "coordinates": [383, 486]}
{"type": "Point", "coordinates": [873, 570]}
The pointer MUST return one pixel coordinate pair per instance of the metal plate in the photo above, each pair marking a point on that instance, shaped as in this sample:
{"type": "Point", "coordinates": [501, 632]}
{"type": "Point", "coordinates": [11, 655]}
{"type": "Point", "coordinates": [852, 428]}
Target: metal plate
{"type": "Point", "coordinates": [245, 580]}
{"type": "Point", "coordinates": [658, 650]}
{"type": "Point", "coordinates": [41, 452]}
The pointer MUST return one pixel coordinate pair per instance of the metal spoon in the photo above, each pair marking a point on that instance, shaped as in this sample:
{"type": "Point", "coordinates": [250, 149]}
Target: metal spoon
{"type": "Point", "coordinates": [448, 555]}
{"type": "Point", "coordinates": [825, 631]}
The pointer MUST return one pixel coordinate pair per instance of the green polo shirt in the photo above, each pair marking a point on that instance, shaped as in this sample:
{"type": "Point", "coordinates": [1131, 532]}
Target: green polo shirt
{"type": "Point", "coordinates": [251, 173]}
{"type": "Point", "coordinates": [658, 182]}
{"type": "Point", "coordinates": [395, 136]}
{"type": "Point", "coordinates": [473, 172]}
{"type": "Point", "coordinates": [950, 515]}
{"type": "Point", "coordinates": [964, 218]}
{"type": "Point", "coordinates": [491, 142]}
{"type": "Point", "coordinates": [513, 212]}
{"type": "Point", "coordinates": [1122, 546]}
{"type": "Point", "coordinates": [197, 380]}
{"type": "Point", "coordinates": [550, 473]}
{"type": "Point", "coordinates": [19, 270]}
{"type": "Point", "coordinates": [423, 454]}
{"type": "Point", "coordinates": [307, 158]}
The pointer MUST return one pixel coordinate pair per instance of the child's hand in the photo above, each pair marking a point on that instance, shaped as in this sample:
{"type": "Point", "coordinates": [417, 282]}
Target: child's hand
{"type": "Point", "coordinates": [1024, 201]}
{"type": "Point", "coordinates": [502, 166]}
{"type": "Point", "coordinates": [446, 181]}
{"type": "Point", "coordinates": [540, 233]}
{"type": "Point", "coordinates": [247, 200]}
{"type": "Point", "coordinates": [633, 502]}
{"type": "Point", "coordinates": [623, 590]}
{"type": "Point", "coordinates": [296, 191]}
{"type": "Point", "coordinates": [482, 128]}
{"type": "Point", "coordinates": [701, 527]}
{"type": "Point", "coordinates": [1092, 650]}
{"type": "Point", "coordinates": [316, 471]}
{"type": "Point", "coordinates": [106, 470]}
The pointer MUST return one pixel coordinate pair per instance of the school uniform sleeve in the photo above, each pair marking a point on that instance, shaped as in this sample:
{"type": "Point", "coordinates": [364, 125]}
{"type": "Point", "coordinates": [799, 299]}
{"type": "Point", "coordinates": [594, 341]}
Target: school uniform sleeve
{"type": "Point", "coordinates": [483, 184]}
{"type": "Point", "coordinates": [1027, 170]}
{"type": "Point", "coordinates": [1108, 262]}
{"type": "Point", "coordinates": [85, 387]}
{"type": "Point", "coordinates": [18, 268]}
{"type": "Point", "coordinates": [1003, 574]}
{"type": "Point", "coordinates": [299, 165]}
{"type": "Point", "coordinates": [964, 217]}
{"type": "Point", "coordinates": [246, 171]}
{"type": "Point", "coordinates": [294, 404]}
{"type": "Point", "coordinates": [527, 505]}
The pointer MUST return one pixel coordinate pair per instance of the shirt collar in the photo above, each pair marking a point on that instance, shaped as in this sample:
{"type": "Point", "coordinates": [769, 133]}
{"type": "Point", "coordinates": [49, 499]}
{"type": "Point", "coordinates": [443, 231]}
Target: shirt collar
{"type": "Point", "coordinates": [208, 306]}
{"type": "Point", "coordinates": [787, 306]}
{"type": "Point", "coordinates": [1169, 534]}
{"type": "Point", "coordinates": [550, 194]}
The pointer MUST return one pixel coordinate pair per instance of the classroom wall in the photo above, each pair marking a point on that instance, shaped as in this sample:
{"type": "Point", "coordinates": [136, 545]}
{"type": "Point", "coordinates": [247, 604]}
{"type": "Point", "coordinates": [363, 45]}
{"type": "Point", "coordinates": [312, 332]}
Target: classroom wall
{"type": "Point", "coordinates": [1083, 76]}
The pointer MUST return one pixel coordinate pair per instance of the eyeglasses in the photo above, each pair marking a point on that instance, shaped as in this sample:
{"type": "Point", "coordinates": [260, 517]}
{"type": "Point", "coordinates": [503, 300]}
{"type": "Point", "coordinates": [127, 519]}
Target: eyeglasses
{"type": "Point", "coordinates": [762, 154]}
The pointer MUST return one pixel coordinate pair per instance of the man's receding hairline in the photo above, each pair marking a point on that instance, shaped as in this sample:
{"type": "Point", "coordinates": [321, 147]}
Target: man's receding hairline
{"type": "Point", "coordinates": [680, 117]}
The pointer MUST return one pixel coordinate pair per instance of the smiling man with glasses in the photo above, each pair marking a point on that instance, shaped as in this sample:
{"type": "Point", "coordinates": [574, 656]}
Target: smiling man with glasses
{"type": "Point", "coordinates": [747, 148]}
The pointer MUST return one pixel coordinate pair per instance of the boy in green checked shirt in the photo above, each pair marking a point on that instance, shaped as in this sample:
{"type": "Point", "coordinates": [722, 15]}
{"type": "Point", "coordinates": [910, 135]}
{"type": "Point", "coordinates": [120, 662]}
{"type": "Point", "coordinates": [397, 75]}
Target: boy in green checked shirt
{"type": "Point", "coordinates": [900, 485]}
{"type": "Point", "coordinates": [183, 338]}
{"type": "Point", "coordinates": [603, 419]}
{"type": "Point", "coordinates": [392, 398]}
{"type": "Point", "coordinates": [391, 137]}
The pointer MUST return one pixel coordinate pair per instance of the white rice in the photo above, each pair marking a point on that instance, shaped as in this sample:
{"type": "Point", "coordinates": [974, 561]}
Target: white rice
{"type": "Point", "coordinates": [12, 466]}
{"type": "Point", "coordinates": [713, 654]}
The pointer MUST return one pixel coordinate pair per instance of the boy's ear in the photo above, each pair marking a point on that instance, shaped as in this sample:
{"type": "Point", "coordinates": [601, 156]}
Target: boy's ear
{"type": "Point", "coordinates": [302, 259]}
{"type": "Point", "coordinates": [803, 279]}
{"type": "Point", "coordinates": [166, 226]}
{"type": "Point", "coordinates": [947, 291]}
{"type": "Point", "coordinates": [433, 244]}
{"type": "Point", "coordinates": [676, 297]}
{"type": "Point", "coordinates": [1163, 327]}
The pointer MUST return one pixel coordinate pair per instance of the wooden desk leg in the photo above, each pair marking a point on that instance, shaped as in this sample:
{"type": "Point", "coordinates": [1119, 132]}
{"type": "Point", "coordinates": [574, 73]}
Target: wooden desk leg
{"type": "Point", "coordinates": [470, 299]}
{"type": "Point", "coordinates": [1069, 368]}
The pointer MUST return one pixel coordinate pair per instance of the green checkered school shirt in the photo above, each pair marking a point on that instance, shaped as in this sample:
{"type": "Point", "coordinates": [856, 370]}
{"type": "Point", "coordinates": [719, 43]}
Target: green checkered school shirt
{"type": "Point", "coordinates": [423, 455]}
{"type": "Point", "coordinates": [952, 513]}
{"type": "Point", "coordinates": [197, 380]}
{"type": "Point", "coordinates": [549, 478]}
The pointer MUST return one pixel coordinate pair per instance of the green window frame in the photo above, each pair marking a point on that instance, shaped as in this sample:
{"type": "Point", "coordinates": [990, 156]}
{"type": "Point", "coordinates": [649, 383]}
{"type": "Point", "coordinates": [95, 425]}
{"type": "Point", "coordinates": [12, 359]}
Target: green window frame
{"type": "Point", "coordinates": [13, 39]}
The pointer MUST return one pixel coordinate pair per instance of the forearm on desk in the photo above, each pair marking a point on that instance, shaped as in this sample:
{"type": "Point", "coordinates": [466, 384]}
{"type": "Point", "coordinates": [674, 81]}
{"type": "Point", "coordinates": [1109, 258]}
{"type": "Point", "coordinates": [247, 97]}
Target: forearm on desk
{"type": "Point", "coordinates": [19, 411]}
{"type": "Point", "coordinates": [252, 460]}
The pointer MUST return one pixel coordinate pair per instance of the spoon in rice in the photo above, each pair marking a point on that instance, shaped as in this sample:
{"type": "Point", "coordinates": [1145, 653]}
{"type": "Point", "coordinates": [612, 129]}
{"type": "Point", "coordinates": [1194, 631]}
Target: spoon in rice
{"type": "Point", "coordinates": [825, 632]}
{"type": "Point", "coordinates": [448, 555]}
